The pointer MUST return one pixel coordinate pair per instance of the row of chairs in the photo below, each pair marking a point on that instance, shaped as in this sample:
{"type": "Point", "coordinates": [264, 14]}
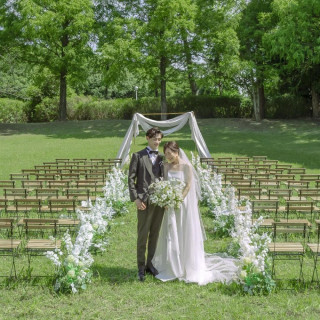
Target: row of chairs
{"type": "Point", "coordinates": [40, 206]}
{"type": "Point", "coordinates": [27, 225]}
{"type": "Point", "coordinates": [30, 185]}
{"type": "Point", "coordinates": [50, 193]}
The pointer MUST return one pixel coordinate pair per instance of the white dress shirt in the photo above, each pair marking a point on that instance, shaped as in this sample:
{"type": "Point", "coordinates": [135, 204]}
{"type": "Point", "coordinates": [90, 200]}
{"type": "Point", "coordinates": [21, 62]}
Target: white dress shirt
{"type": "Point", "coordinates": [152, 156]}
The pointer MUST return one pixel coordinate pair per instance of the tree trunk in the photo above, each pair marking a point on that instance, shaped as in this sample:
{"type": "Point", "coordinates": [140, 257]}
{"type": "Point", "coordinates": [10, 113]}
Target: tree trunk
{"type": "Point", "coordinates": [192, 82]}
{"type": "Point", "coordinates": [258, 101]}
{"type": "Point", "coordinates": [63, 76]}
{"type": "Point", "coordinates": [163, 86]}
{"type": "Point", "coordinates": [63, 96]}
{"type": "Point", "coordinates": [315, 102]}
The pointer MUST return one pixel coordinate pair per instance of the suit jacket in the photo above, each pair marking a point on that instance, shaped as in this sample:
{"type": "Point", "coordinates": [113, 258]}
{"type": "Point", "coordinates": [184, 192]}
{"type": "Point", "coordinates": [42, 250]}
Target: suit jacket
{"type": "Point", "coordinates": [141, 175]}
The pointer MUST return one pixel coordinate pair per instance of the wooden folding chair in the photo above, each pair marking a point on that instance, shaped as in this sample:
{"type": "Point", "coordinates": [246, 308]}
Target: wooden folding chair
{"type": "Point", "coordinates": [36, 247]}
{"type": "Point", "coordinates": [286, 250]}
{"type": "Point", "coordinates": [7, 184]}
{"type": "Point", "coordinates": [15, 193]}
{"type": "Point", "coordinates": [9, 247]}
{"type": "Point", "coordinates": [34, 225]}
{"type": "Point", "coordinates": [7, 224]}
{"type": "Point", "coordinates": [260, 207]}
{"type": "Point", "coordinates": [249, 193]}
{"type": "Point", "coordinates": [315, 251]}
{"type": "Point", "coordinates": [300, 207]}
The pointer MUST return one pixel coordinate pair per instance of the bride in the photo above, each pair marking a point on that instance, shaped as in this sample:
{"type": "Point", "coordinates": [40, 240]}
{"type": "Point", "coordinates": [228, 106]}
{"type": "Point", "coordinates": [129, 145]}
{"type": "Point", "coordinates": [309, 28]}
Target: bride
{"type": "Point", "coordinates": [180, 251]}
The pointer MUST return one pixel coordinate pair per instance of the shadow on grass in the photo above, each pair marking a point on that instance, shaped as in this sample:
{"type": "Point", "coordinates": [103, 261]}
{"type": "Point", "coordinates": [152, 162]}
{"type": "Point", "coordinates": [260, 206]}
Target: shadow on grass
{"type": "Point", "coordinates": [115, 275]}
{"type": "Point", "coordinates": [71, 129]}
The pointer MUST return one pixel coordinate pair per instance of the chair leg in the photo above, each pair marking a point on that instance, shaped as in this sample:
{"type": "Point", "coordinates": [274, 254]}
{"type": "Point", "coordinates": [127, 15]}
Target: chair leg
{"type": "Point", "coordinates": [315, 270]}
{"type": "Point", "coordinates": [301, 269]}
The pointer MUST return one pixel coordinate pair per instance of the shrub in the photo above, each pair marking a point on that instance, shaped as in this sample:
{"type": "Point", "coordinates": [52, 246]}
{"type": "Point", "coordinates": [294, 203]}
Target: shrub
{"type": "Point", "coordinates": [287, 107]}
{"type": "Point", "coordinates": [210, 106]}
{"type": "Point", "coordinates": [12, 111]}
{"type": "Point", "coordinates": [47, 110]}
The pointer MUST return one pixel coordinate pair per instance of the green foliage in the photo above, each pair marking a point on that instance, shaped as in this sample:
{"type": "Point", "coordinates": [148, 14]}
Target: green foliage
{"type": "Point", "coordinates": [258, 283]}
{"type": "Point", "coordinates": [210, 106]}
{"type": "Point", "coordinates": [287, 106]}
{"type": "Point", "coordinates": [223, 225]}
{"type": "Point", "coordinates": [12, 111]}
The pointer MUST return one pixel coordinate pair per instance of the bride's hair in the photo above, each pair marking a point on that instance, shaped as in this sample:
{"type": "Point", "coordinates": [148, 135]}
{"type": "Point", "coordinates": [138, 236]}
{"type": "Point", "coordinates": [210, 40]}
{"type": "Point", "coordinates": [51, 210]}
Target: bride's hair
{"type": "Point", "coordinates": [172, 145]}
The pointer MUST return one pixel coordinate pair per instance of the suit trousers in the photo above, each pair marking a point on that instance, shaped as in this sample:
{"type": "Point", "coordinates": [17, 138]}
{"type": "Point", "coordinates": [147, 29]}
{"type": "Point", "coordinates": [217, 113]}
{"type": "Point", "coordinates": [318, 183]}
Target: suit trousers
{"type": "Point", "coordinates": [149, 224]}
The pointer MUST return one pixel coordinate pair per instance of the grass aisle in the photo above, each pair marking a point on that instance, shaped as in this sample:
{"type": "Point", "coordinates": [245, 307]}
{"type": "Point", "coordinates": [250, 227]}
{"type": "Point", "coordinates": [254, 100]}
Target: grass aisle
{"type": "Point", "coordinates": [115, 292]}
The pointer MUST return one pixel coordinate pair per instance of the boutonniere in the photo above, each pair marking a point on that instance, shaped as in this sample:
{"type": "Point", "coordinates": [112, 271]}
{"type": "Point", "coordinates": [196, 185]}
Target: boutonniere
{"type": "Point", "coordinates": [162, 162]}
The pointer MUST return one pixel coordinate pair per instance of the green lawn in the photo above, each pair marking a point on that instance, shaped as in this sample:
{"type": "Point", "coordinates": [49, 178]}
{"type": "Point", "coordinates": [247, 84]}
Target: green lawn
{"type": "Point", "coordinates": [115, 293]}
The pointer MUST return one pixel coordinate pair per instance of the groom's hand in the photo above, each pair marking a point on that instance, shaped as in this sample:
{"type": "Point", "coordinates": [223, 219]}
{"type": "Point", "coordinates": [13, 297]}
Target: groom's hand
{"type": "Point", "coordinates": [140, 205]}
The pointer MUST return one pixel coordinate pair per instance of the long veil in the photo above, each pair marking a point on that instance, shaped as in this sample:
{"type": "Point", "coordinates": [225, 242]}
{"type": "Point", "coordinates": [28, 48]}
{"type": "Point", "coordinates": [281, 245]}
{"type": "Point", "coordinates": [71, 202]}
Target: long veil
{"type": "Point", "coordinates": [195, 188]}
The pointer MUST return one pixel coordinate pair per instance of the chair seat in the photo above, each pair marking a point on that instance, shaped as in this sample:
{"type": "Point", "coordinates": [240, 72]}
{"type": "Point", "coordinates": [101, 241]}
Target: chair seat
{"type": "Point", "coordinates": [314, 247]}
{"type": "Point", "coordinates": [9, 244]}
{"type": "Point", "coordinates": [265, 223]}
{"type": "Point", "coordinates": [5, 225]}
{"type": "Point", "coordinates": [302, 221]}
{"type": "Point", "coordinates": [43, 244]}
{"type": "Point", "coordinates": [68, 222]}
{"type": "Point", "coordinates": [286, 247]}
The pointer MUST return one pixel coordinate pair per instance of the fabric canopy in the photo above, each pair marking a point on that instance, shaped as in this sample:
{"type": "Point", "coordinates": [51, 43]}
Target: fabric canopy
{"type": "Point", "coordinates": [174, 124]}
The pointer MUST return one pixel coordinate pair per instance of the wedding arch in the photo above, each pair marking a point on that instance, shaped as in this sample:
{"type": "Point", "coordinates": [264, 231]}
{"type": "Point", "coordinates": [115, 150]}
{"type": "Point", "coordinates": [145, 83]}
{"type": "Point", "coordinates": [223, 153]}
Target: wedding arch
{"type": "Point", "coordinates": [173, 124]}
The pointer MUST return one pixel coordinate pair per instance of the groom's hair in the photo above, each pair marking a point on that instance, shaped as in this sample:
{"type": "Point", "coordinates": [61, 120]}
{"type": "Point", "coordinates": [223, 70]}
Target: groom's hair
{"type": "Point", "coordinates": [153, 132]}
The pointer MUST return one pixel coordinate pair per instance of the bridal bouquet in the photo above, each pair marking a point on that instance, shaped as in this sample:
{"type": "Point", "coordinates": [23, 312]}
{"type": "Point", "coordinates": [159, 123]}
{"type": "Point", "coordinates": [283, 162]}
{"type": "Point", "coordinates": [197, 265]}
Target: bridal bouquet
{"type": "Point", "coordinates": [167, 193]}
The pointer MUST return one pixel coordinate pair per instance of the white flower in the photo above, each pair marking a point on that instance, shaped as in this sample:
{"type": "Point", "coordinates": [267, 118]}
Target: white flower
{"type": "Point", "coordinates": [243, 274]}
{"type": "Point", "coordinates": [71, 273]}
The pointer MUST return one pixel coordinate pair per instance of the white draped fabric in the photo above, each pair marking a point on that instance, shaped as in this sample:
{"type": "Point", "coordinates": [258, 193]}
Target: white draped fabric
{"type": "Point", "coordinates": [174, 124]}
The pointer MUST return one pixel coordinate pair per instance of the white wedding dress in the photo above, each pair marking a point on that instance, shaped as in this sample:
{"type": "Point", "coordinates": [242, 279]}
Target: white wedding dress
{"type": "Point", "coordinates": [180, 251]}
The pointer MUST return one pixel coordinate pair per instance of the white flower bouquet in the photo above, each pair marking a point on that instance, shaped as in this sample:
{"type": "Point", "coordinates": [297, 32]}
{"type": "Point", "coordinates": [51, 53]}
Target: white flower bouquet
{"type": "Point", "coordinates": [167, 193]}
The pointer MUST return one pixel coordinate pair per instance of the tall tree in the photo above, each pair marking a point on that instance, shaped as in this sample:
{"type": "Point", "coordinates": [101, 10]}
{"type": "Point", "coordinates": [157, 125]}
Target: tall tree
{"type": "Point", "coordinates": [216, 25]}
{"type": "Point", "coordinates": [164, 25]}
{"type": "Point", "coordinates": [52, 34]}
{"type": "Point", "coordinates": [252, 28]}
{"type": "Point", "coordinates": [295, 38]}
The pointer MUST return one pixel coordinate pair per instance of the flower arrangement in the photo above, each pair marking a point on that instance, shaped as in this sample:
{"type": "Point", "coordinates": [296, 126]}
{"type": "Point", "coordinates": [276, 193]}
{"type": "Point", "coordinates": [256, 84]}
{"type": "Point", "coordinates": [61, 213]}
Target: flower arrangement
{"type": "Point", "coordinates": [98, 217]}
{"type": "Point", "coordinates": [167, 193]}
{"type": "Point", "coordinates": [254, 272]}
{"type": "Point", "coordinates": [73, 262]}
{"type": "Point", "coordinates": [116, 192]}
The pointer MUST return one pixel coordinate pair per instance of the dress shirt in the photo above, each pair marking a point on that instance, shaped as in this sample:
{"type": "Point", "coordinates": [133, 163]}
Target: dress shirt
{"type": "Point", "coordinates": [152, 156]}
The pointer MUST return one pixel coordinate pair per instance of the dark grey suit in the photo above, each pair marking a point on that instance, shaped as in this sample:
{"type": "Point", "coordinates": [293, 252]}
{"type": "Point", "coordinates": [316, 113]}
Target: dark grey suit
{"type": "Point", "coordinates": [141, 174]}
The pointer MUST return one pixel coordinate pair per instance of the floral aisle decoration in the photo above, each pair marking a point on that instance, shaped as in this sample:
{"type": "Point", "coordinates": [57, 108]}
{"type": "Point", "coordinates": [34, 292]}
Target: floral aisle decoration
{"type": "Point", "coordinates": [116, 192]}
{"type": "Point", "coordinates": [98, 216]}
{"type": "Point", "coordinates": [211, 184]}
{"type": "Point", "coordinates": [220, 203]}
{"type": "Point", "coordinates": [232, 219]}
{"type": "Point", "coordinates": [73, 262]}
{"type": "Point", "coordinates": [254, 267]}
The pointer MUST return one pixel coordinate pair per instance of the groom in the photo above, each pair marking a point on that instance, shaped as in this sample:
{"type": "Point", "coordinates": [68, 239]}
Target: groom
{"type": "Point", "coordinates": [145, 168]}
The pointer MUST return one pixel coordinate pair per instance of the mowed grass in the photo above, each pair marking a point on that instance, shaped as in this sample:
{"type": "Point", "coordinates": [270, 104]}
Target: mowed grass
{"type": "Point", "coordinates": [115, 292]}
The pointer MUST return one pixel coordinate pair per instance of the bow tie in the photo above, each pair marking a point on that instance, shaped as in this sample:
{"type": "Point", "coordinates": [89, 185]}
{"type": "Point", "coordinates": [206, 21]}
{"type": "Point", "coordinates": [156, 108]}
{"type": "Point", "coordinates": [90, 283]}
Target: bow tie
{"type": "Point", "coordinates": [153, 151]}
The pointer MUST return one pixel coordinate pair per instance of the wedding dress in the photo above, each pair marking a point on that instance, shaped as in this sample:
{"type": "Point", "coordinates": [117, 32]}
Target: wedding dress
{"type": "Point", "coordinates": [180, 251]}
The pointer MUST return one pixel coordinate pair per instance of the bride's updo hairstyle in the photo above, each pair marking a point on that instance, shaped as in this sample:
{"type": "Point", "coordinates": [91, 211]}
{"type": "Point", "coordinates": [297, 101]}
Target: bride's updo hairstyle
{"type": "Point", "coordinates": [172, 145]}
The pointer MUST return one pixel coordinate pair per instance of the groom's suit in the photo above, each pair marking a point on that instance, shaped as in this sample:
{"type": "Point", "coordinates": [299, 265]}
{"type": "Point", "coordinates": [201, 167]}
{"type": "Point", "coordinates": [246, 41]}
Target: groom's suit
{"type": "Point", "coordinates": [141, 174]}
